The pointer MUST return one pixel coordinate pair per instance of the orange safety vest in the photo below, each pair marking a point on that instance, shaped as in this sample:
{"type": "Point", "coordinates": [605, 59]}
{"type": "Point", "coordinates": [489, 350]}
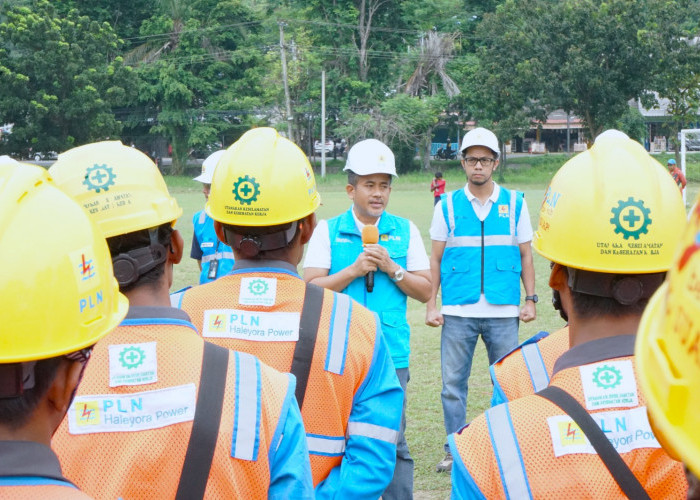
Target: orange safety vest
{"type": "Point", "coordinates": [130, 460]}
{"type": "Point", "coordinates": [53, 491]}
{"type": "Point", "coordinates": [527, 368]}
{"type": "Point", "coordinates": [529, 448]}
{"type": "Point", "coordinates": [342, 355]}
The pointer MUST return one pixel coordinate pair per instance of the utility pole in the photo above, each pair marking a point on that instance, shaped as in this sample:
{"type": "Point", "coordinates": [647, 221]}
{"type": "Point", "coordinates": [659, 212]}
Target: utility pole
{"type": "Point", "coordinates": [323, 123]}
{"type": "Point", "coordinates": [283, 57]}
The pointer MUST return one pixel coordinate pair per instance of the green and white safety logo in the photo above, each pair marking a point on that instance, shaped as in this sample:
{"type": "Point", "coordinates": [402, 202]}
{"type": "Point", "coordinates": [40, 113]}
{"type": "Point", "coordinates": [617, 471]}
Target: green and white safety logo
{"type": "Point", "coordinates": [610, 384]}
{"type": "Point", "coordinates": [133, 364]}
{"type": "Point", "coordinates": [258, 292]}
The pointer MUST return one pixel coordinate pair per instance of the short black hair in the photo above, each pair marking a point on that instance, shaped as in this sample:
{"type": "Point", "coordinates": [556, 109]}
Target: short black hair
{"type": "Point", "coordinates": [124, 243]}
{"type": "Point", "coordinates": [438, 175]}
{"type": "Point", "coordinates": [15, 412]}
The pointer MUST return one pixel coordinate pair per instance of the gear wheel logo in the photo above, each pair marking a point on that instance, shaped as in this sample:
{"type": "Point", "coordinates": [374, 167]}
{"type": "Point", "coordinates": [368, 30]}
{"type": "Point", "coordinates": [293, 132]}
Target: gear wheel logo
{"type": "Point", "coordinates": [257, 287]}
{"type": "Point", "coordinates": [607, 377]}
{"type": "Point", "coordinates": [631, 218]}
{"type": "Point", "coordinates": [131, 357]}
{"type": "Point", "coordinates": [99, 178]}
{"type": "Point", "coordinates": [246, 190]}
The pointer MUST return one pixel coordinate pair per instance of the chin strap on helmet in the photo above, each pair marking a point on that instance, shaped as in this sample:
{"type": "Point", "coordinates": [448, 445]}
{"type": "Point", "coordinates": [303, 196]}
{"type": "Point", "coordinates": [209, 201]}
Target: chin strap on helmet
{"type": "Point", "coordinates": [131, 265]}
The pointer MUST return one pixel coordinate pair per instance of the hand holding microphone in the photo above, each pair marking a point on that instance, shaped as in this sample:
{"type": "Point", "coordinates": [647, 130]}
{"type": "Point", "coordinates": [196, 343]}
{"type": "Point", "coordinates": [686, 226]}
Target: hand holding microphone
{"type": "Point", "coordinates": [370, 236]}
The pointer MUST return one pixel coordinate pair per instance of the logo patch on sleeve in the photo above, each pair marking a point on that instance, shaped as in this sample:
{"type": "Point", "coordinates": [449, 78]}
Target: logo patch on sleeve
{"type": "Point", "coordinates": [251, 325]}
{"type": "Point", "coordinates": [258, 292]}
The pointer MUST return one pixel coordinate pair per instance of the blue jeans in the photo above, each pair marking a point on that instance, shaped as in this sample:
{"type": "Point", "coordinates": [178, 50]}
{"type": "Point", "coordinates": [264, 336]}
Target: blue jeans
{"type": "Point", "coordinates": [401, 486]}
{"type": "Point", "coordinates": [458, 340]}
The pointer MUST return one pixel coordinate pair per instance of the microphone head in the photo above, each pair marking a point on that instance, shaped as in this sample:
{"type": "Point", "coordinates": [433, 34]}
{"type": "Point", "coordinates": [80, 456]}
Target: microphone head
{"type": "Point", "coordinates": [370, 234]}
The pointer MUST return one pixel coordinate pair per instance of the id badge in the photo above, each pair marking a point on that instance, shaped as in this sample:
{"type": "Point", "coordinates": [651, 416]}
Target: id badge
{"type": "Point", "coordinates": [213, 268]}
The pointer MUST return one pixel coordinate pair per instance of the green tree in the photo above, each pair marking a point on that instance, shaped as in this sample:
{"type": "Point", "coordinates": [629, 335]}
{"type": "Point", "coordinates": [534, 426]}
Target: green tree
{"type": "Point", "coordinates": [60, 77]}
{"type": "Point", "coordinates": [585, 56]}
{"type": "Point", "coordinates": [198, 73]}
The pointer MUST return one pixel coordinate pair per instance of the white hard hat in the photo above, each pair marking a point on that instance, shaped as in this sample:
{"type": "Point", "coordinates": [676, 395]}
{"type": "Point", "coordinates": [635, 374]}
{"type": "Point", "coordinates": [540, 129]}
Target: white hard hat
{"type": "Point", "coordinates": [371, 157]}
{"type": "Point", "coordinates": [208, 166]}
{"type": "Point", "coordinates": [481, 137]}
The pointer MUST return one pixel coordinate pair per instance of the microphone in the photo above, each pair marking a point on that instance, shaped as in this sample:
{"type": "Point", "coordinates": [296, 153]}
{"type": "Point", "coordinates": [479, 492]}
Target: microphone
{"type": "Point", "coordinates": [370, 236]}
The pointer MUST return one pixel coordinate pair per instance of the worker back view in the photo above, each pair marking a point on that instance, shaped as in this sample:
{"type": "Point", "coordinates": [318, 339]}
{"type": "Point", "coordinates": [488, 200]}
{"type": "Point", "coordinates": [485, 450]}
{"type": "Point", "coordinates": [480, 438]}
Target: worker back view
{"type": "Point", "coordinates": [162, 414]}
{"type": "Point", "coordinates": [58, 299]}
{"type": "Point", "coordinates": [668, 363]}
{"type": "Point", "coordinates": [262, 200]}
{"type": "Point", "coordinates": [609, 222]}
{"type": "Point", "coordinates": [527, 369]}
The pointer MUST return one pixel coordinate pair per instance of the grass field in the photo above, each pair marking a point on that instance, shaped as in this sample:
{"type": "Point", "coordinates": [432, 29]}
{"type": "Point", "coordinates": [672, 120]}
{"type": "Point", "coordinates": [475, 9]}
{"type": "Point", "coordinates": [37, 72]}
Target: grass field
{"type": "Point", "coordinates": [411, 198]}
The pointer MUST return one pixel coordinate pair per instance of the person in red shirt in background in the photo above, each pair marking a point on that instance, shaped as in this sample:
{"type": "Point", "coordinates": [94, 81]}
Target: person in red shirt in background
{"type": "Point", "coordinates": [437, 186]}
{"type": "Point", "coordinates": [676, 173]}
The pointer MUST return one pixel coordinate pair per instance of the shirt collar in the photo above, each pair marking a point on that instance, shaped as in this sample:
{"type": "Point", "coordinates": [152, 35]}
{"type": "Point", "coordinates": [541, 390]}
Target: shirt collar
{"type": "Point", "coordinates": [254, 264]}
{"type": "Point", "coordinates": [494, 195]}
{"type": "Point", "coordinates": [151, 312]}
{"type": "Point", "coordinates": [361, 224]}
{"type": "Point", "coordinates": [29, 458]}
{"type": "Point", "coordinates": [596, 350]}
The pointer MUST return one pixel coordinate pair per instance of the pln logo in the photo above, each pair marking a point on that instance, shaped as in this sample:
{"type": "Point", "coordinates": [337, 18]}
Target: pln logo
{"type": "Point", "coordinates": [218, 323]}
{"type": "Point", "coordinates": [570, 434]}
{"type": "Point", "coordinates": [86, 268]}
{"type": "Point", "coordinates": [503, 211]}
{"type": "Point", "coordinates": [87, 413]}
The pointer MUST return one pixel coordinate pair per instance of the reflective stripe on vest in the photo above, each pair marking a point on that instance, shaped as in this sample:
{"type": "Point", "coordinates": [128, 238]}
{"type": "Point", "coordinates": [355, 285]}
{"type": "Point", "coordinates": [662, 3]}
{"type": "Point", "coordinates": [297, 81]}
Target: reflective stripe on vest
{"type": "Point", "coordinates": [535, 365]}
{"type": "Point", "coordinates": [338, 336]}
{"type": "Point", "coordinates": [246, 422]}
{"type": "Point", "coordinates": [331, 446]}
{"type": "Point", "coordinates": [217, 256]}
{"type": "Point", "coordinates": [373, 431]}
{"type": "Point", "coordinates": [34, 481]}
{"type": "Point", "coordinates": [507, 451]}
{"type": "Point", "coordinates": [475, 241]}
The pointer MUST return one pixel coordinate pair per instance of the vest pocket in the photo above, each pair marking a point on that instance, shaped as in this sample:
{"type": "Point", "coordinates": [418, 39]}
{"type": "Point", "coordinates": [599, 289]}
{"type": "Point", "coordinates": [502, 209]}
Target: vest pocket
{"type": "Point", "coordinates": [508, 264]}
{"type": "Point", "coordinates": [393, 318]}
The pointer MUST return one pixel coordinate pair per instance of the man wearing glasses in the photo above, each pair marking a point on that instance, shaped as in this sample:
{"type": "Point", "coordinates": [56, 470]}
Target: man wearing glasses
{"type": "Point", "coordinates": [481, 250]}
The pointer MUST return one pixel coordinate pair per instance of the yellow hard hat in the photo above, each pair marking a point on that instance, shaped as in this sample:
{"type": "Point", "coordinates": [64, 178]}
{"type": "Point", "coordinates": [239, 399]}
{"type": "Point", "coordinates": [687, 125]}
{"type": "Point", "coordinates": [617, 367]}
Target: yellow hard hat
{"type": "Point", "coordinates": [611, 209]}
{"type": "Point", "coordinates": [263, 179]}
{"type": "Point", "coordinates": [57, 290]}
{"type": "Point", "coordinates": [120, 186]}
{"type": "Point", "coordinates": [667, 352]}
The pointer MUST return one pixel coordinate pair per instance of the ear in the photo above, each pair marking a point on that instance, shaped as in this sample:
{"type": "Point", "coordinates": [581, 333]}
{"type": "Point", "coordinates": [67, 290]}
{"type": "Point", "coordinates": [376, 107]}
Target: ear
{"type": "Point", "coordinates": [60, 393]}
{"type": "Point", "coordinates": [558, 278]}
{"type": "Point", "coordinates": [307, 228]}
{"type": "Point", "coordinates": [177, 246]}
{"type": "Point", "coordinates": [219, 230]}
{"type": "Point", "coordinates": [350, 189]}
{"type": "Point", "coordinates": [496, 163]}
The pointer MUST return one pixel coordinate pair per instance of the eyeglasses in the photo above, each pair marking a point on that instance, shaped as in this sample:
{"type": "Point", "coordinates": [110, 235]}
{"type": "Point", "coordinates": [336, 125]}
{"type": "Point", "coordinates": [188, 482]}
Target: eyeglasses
{"type": "Point", "coordinates": [473, 160]}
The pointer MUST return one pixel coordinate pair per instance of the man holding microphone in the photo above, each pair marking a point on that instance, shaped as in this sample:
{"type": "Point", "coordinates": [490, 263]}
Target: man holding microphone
{"type": "Point", "coordinates": [379, 260]}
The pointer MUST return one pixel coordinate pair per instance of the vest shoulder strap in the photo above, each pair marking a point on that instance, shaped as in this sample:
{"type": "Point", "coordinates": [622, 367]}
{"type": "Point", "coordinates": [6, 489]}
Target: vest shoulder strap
{"type": "Point", "coordinates": [619, 470]}
{"type": "Point", "coordinates": [205, 428]}
{"type": "Point", "coordinates": [308, 331]}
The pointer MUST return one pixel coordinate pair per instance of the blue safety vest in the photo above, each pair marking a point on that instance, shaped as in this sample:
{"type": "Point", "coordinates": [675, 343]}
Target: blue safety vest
{"type": "Point", "coordinates": [387, 299]}
{"type": "Point", "coordinates": [212, 249]}
{"type": "Point", "coordinates": [481, 256]}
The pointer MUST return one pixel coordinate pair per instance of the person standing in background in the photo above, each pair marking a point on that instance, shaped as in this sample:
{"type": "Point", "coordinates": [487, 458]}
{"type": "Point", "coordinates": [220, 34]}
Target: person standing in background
{"type": "Point", "coordinates": [437, 187]}
{"type": "Point", "coordinates": [213, 257]}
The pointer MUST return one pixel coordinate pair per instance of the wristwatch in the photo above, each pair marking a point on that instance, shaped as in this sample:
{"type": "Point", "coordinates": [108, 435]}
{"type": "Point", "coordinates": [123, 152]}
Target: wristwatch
{"type": "Point", "coordinates": [533, 298]}
{"type": "Point", "coordinates": [398, 274]}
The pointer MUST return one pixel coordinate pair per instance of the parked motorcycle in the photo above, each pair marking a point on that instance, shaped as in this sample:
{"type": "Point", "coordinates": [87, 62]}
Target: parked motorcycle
{"type": "Point", "coordinates": [446, 154]}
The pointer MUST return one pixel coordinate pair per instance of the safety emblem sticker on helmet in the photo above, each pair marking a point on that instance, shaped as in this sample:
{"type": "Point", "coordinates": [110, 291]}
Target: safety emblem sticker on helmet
{"type": "Point", "coordinates": [99, 178]}
{"type": "Point", "coordinates": [133, 364]}
{"type": "Point", "coordinates": [246, 190]}
{"type": "Point", "coordinates": [631, 218]}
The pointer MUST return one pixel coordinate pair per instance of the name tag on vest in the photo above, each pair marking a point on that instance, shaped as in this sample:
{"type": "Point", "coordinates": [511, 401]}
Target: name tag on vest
{"type": "Point", "coordinates": [251, 325]}
{"type": "Point", "coordinates": [139, 411]}
{"type": "Point", "coordinates": [207, 244]}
